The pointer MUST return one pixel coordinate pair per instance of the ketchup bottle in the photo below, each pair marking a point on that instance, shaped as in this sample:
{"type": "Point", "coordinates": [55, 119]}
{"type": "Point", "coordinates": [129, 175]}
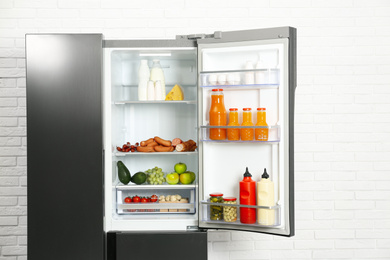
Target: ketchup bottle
{"type": "Point", "coordinates": [247, 197]}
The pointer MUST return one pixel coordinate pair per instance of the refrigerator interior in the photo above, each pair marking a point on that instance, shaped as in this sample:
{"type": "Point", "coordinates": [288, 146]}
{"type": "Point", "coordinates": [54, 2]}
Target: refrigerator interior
{"type": "Point", "coordinates": [223, 162]}
{"type": "Point", "coordinates": [129, 120]}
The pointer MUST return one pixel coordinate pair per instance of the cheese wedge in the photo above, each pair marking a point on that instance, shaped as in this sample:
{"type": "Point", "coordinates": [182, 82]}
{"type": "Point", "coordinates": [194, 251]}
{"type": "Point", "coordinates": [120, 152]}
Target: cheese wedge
{"type": "Point", "coordinates": [175, 94]}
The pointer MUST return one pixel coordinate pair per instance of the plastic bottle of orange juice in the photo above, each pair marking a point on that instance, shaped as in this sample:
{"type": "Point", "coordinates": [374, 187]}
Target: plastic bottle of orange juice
{"type": "Point", "coordinates": [233, 134]}
{"type": "Point", "coordinates": [217, 115]}
{"type": "Point", "coordinates": [261, 134]}
{"type": "Point", "coordinates": [247, 133]}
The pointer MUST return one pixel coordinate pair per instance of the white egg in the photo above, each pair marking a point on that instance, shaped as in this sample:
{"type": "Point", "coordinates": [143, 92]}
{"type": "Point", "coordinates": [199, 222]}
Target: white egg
{"type": "Point", "coordinates": [237, 79]}
{"type": "Point", "coordinates": [222, 79]}
{"type": "Point", "coordinates": [213, 79]}
{"type": "Point", "coordinates": [231, 79]}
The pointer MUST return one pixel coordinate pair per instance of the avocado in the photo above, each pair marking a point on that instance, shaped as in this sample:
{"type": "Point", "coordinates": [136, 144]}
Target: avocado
{"type": "Point", "coordinates": [139, 178]}
{"type": "Point", "coordinates": [123, 173]}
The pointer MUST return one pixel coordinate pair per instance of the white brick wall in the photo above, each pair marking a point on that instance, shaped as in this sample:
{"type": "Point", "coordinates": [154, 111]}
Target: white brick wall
{"type": "Point", "coordinates": [342, 112]}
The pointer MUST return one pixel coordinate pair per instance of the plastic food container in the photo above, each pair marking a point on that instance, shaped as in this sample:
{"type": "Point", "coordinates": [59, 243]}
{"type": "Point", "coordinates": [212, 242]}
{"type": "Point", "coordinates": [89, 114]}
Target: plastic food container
{"type": "Point", "coordinates": [229, 212]}
{"type": "Point", "coordinates": [216, 212]}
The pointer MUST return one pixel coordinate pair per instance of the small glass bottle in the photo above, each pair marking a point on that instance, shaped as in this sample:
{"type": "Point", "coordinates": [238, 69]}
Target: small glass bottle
{"type": "Point", "coordinates": [247, 133]}
{"type": "Point", "coordinates": [229, 212]}
{"type": "Point", "coordinates": [233, 134]}
{"type": "Point", "coordinates": [216, 212]}
{"type": "Point", "coordinates": [217, 115]}
{"type": "Point", "coordinates": [261, 134]}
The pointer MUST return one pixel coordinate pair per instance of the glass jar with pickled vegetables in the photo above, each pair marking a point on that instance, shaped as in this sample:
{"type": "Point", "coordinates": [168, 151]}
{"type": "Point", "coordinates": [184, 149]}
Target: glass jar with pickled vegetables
{"type": "Point", "coordinates": [229, 212]}
{"type": "Point", "coordinates": [216, 211]}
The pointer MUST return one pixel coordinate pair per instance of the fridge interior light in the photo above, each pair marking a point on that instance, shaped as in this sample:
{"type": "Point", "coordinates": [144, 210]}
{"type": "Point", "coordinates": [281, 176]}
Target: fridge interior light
{"type": "Point", "coordinates": [147, 54]}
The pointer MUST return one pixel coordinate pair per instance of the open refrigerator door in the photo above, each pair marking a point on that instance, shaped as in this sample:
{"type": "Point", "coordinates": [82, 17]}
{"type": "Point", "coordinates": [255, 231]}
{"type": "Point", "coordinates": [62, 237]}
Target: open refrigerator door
{"type": "Point", "coordinates": [255, 71]}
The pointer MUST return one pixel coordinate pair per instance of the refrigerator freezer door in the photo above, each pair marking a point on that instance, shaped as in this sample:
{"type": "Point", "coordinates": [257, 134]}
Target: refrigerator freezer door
{"type": "Point", "coordinates": [64, 146]}
{"type": "Point", "coordinates": [150, 245]}
{"type": "Point", "coordinates": [254, 68]}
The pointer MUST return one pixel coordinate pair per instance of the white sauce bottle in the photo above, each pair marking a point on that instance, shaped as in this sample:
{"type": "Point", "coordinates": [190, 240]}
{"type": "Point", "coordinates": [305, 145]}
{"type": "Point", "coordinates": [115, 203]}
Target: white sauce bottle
{"type": "Point", "coordinates": [157, 74]}
{"type": "Point", "coordinates": [265, 197]}
{"type": "Point", "coordinates": [143, 77]}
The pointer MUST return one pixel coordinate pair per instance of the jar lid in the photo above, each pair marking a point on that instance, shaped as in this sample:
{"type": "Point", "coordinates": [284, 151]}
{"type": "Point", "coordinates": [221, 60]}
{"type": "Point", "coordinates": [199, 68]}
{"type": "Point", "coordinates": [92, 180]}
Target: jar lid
{"type": "Point", "coordinates": [217, 89]}
{"type": "Point", "coordinates": [229, 199]}
{"type": "Point", "coordinates": [233, 109]}
{"type": "Point", "coordinates": [216, 194]}
{"type": "Point", "coordinates": [247, 109]}
{"type": "Point", "coordinates": [261, 108]}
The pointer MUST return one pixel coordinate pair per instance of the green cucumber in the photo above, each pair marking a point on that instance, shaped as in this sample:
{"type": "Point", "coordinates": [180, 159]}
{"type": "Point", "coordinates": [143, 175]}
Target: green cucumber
{"type": "Point", "coordinates": [123, 173]}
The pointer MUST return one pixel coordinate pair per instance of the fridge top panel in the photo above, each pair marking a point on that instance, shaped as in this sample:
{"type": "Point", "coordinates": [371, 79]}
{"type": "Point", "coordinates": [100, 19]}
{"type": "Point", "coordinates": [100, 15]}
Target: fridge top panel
{"type": "Point", "coordinates": [249, 35]}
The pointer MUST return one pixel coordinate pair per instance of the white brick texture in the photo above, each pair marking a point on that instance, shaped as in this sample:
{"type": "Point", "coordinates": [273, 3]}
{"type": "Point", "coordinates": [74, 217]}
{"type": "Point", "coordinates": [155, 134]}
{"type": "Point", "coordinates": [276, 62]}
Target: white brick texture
{"type": "Point", "coordinates": [342, 145]}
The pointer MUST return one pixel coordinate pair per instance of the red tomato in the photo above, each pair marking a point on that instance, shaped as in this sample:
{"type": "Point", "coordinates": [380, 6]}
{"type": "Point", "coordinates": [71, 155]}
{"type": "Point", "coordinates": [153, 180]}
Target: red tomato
{"type": "Point", "coordinates": [144, 200]}
{"type": "Point", "coordinates": [153, 198]}
{"type": "Point", "coordinates": [136, 199]}
{"type": "Point", "coordinates": [127, 200]}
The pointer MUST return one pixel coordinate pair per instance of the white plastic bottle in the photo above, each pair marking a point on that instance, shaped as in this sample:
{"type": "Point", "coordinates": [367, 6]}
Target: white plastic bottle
{"type": "Point", "coordinates": [249, 76]}
{"type": "Point", "coordinates": [157, 73]}
{"type": "Point", "coordinates": [265, 197]}
{"type": "Point", "coordinates": [151, 95]}
{"type": "Point", "coordinates": [143, 78]}
{"type": "Point", "coordinates": [158, 90]}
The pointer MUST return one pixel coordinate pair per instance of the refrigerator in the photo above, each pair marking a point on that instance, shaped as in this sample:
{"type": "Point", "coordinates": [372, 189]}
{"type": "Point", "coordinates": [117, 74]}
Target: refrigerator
{"type": "Point", "coordinates": [83, 103]}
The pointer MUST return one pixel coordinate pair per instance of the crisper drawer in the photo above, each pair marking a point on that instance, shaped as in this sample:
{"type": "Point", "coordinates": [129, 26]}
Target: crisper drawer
{"type": "Point", "coordinates": [184, 200]}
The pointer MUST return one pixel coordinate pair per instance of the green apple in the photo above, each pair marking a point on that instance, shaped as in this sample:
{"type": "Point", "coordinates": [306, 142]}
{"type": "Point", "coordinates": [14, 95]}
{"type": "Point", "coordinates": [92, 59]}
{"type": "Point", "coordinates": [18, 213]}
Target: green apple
{"type": "Point", "coordinates": [172, 178]}
{"type": "Point", "coordinates": [193, 176]}
{"type": "Point", "coordinates": [186, 178]}
{"type": "Point", "coordinates": [180, 167]}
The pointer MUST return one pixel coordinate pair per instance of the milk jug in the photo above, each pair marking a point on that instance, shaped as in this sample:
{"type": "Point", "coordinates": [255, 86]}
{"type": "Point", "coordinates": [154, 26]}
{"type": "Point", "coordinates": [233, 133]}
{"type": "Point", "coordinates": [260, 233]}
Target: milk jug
{"type": "Point", "coordinates": [157, 74]}
{"type": "Point", "coordinates": [265, 197]}
{"type": "Point", "coordinates": [143, 78]}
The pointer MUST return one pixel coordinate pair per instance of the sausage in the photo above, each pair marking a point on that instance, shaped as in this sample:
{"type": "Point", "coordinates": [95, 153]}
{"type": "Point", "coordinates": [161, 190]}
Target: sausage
{"type": "Point", "coordinates": [162, 141]}
{"type": "Point", "coordinates": [151, 144]}
{"type": "Point", "coordinates": [146, 142]}
{"type": "Point", "coordinates": [160, 148]}
{"type": "Point", "coordinates": [176, 141]}
{"type": "Point", "coordinates": [145, 149]}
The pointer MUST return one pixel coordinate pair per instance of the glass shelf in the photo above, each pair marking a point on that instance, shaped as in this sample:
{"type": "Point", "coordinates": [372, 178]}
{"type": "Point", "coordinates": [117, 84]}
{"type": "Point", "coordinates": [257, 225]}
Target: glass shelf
{"type": "Point", "coordinates": [124, 102]}
{"type": "Point", "coordinates": [154, 153]}
{"type": "Point", "coordinates": [206, 216]}
{"type": "Point", "coordinates": [273, 134]}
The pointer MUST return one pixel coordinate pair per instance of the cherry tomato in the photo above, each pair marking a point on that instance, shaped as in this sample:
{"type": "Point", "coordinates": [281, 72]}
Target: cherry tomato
{"type": "Point", "coordinates": [127, 200]}
{"type": "Point", "coordinates": [136, 199]}
{"type": "Point", "coordinates": [153, 198]}
{"type": "Point", "coordinates": [144, 200]}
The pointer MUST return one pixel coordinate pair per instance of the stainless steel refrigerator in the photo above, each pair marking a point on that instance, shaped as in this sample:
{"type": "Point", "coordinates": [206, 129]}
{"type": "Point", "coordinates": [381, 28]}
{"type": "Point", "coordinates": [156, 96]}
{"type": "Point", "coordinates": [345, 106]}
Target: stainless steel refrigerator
{"type": "Point", "coordinates": [82, 103]}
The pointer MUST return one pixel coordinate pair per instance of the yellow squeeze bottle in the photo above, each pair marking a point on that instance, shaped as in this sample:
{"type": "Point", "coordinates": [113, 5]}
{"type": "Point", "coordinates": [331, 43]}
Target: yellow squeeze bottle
{"type": "Point", "coordinates": [265, 197]}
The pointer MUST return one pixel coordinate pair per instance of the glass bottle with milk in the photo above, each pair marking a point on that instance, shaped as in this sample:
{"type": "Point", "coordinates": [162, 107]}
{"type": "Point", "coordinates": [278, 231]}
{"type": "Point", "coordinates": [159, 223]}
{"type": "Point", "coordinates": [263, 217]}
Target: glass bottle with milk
{"type": "Point", "coordinates": [265, 197]}
{"type": "Point", "coordinates": [156, 74]}
{"type": "Point", "coordinates": [143, 78]}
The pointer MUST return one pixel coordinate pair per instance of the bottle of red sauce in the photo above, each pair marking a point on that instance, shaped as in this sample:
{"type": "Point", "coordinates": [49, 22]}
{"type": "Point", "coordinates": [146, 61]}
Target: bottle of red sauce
{"type": "Point", "coordinates": [247, 197]}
